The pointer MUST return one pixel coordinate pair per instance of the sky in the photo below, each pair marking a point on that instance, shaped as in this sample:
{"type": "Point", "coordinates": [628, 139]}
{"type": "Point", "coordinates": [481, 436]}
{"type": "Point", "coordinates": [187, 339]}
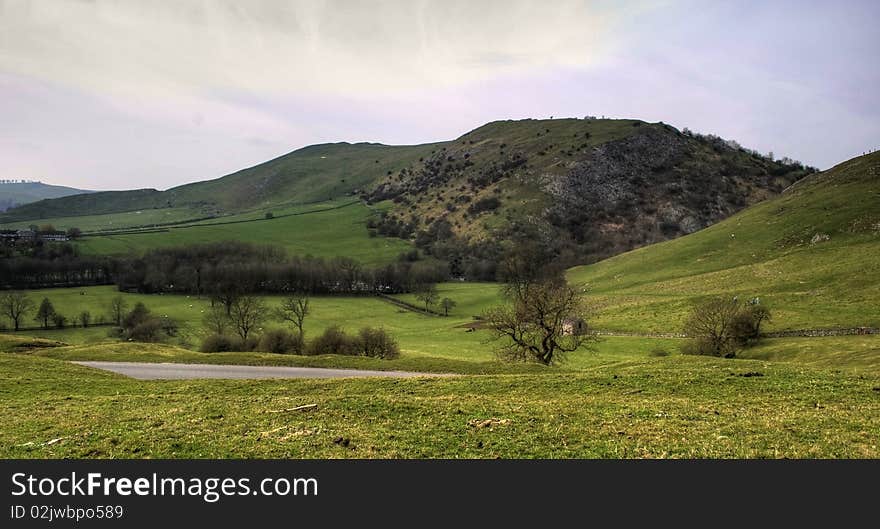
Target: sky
{"type": "Point", "coordinates": [122, 94]}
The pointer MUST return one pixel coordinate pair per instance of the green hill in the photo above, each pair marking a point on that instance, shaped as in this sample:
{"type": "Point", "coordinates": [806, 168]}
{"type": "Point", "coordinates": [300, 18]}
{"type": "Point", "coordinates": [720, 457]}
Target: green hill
{"type": "Point", "coordinates": [313, 174]}
{"type": "Point", "coordinates": [585, 188]}
{"type": "Point", "coordinates": [14, 194]}
{"type": "Point", "coordinates": [812, 255]}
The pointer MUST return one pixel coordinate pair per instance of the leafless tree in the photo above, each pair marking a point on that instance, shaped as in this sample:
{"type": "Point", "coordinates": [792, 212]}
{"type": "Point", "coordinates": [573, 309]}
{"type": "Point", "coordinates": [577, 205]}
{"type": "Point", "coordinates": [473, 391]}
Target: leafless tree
{"type": "Point", "coordinates": [15, 305]}
{"type": "Point", "coordinates": [533, 325]}
{"type": "Point", "coordinates": [118, 308]}
{"type": "Point", "coordinates": [216, 319]}
{"type": "Point", "coordinates": [447, 305]}
{"type": "Point", "coordinates": [427, 295]}
{"type": "Point", "coordinates": [246, 313]}
{"type": "Point", "coordinates": [294, 309]}
{"type": "Point", "coordinates": [711, 325]}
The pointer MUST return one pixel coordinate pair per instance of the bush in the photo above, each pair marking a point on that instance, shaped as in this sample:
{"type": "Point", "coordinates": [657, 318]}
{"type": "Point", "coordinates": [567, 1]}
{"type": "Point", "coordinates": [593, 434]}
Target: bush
{"type": "Point", "coordinates": [59, 320]}
{"type": "Point", "coordinates": [376, 343]}
{"type": "Point", "coordinates": [281, 341]}
{"type": "Point", "coordinates": [484, 204]}
{"type": "Point", "coordinates": [218, 343]}
{"type": "Point", "coordinates": [707, 347]}
{"type": "Point", "coordinates": [139, 314]}
{"type": "Point", "coordinates": [333, 341]}
{"type": "Point", "coordinates": [169, 326]}
{"type": "Point", "coordinates": [149, 330]}
{"type": "Point", "coordinates": [221, 343]}
{"type": "Point", "coordinates": [658, 351]}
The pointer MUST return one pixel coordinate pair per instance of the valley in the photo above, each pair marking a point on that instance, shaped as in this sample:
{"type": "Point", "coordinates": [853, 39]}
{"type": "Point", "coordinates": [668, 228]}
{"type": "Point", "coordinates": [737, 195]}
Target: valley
{"type": "Point", "coordinates": [807, 245]}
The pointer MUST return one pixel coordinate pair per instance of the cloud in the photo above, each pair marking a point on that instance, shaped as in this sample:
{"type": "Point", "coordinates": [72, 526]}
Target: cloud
{"type": "Point", "coordinates": [325, 47]}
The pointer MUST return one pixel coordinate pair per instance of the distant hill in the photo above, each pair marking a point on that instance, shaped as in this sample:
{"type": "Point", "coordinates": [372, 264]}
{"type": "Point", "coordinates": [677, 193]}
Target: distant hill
{"type": "Point", "coordinates": [18, 193]}
{"type": "Point", "coordinates": [812, 255]}
{"type": "Point", "coordinates": [584, 188]}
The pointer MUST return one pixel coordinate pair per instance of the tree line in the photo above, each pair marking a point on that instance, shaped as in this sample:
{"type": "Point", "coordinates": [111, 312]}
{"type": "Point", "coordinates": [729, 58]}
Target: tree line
{"type": "Point", "coordinates": [228, 270]}
{"type": "Point", "coordinates": [40, 264]}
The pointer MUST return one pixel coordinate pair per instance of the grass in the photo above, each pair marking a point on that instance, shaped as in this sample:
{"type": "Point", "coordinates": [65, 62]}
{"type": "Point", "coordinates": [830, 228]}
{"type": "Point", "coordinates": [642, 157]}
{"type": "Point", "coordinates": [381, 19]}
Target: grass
{"type": "Point", "coordinates": [629, 398]}
{"type": "Point", "coordinates": [422, 338]}
{"type": "Point", "coordinates": [323, 231]}
{"type": "Point", "coordinates": [112, 221]}
{"type": "Point", "coordinates": [313, 174]}
{"type": "Point", "coordinates": [861, 353]}
{"type": "Point", "coordinates": [766, 251]}
{"type": "Point", "coordinates": [664, 407]}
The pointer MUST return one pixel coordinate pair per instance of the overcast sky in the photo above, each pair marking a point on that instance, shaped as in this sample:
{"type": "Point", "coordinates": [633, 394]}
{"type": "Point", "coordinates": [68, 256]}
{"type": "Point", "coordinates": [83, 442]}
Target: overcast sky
{"type": "Point", "coordinates": [129, 94]}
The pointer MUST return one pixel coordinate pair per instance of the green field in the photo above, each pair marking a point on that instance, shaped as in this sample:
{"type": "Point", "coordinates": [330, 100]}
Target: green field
{"type": "Point", "coordinates": [328, 230]}
{"type": "Point", "coordinates": [626, 397]}
{"type": "Point", "coordinates": [776, 251]}
{"type": "Point", "coordinates": [629, 397]}
{"type": "Point", "coordinates": [615, 406]}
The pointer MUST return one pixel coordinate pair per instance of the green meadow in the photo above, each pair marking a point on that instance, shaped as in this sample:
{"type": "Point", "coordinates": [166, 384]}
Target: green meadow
{"type": "Point", "coordinates": [811, 255]}
{"type": "Point", "coordinates": [628, 406]}
{"type": "Point", "coordinates": [321, 230]}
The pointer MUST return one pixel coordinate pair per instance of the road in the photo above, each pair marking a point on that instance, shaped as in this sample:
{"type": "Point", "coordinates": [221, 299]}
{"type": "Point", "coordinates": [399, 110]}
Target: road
{"type": "Point", "coordinates": [165, 371]}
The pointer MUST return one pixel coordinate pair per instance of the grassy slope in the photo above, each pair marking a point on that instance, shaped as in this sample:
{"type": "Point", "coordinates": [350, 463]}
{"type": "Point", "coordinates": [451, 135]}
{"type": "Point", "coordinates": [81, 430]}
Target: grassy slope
{"type": "Point", "coordinates": [334, 229]}
{"type": "Point", "coordinates": [31, 192]}
{"type": "Point", "coordinates": [764, 251]}
{"type": "Point", "coordinates": [313, 174]}
{"type": "Point", "coordinates": [626, 407]}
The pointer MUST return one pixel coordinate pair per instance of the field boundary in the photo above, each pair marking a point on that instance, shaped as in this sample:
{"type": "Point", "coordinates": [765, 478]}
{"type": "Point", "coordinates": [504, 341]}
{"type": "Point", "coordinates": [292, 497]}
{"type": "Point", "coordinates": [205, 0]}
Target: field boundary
{"type": "Point", "coordinates": [191, 223]}
{"type": "Point", "coordinates": [407, 306]}
{"type": "Point", "coordinates": [841, 331]}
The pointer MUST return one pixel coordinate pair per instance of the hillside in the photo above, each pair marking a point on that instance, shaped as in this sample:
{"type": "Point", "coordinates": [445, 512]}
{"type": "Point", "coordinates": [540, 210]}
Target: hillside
{"type": "Point", "coordinates": [812, 255]}
{"type": "Point", "coordinates": [19, 193]}
{"type": "Point", "coordinates": [583, 189]}
{"type": "Point", "coordinates": [312, 174]}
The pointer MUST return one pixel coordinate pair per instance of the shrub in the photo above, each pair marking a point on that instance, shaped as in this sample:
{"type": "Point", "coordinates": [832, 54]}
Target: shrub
{"type": "Point", "coordinates": [281, 341]}
{"type": "Point", "coordinates": [218, 343]}
{"type": "Point", "coordinates": [658, 351]}
{"type": "Point", "coordinates": [376, 343]}
{"type": "Point", "coordinates": [221, 343]}
{"type": "Point", "coordinates": [484, 204]}
{"type": "Point", "coordinates": [59, 320]}
{"type": "Point", "coordinates": [332, 341]}
{"type": "Point", "coordinates": [705, 347]}
{"type": "Point", "coordinates": [149, 330]}
{"type": "Point", "coordinates": [168, 326]}
{"type": "Point", "coordinates": [139, 314]}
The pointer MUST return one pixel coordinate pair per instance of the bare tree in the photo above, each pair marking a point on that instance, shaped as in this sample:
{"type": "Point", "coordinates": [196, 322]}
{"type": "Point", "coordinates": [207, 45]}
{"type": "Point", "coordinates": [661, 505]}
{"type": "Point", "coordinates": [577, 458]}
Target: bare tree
{"type": "Point", "coordinates": [15, 305]}
{"type": "Point", "coordinates": [294, 309]}
{"type": "Point", "coordinates": [447, 305]}
{"type": "Point", "coordinates": [45, 313]}
{"type": "Point", "coordinates": [216, 319]}
{"type": "Point", "coordinates": [427, 295]}
{"type": "Point", "coordinates": [711, 325]}
{"type": "Point", "coordinates": [118, 308]}
{"type": "Point", "coordinates": [534, 324]}
{"type": "Point", "coordinates": [246, 313]}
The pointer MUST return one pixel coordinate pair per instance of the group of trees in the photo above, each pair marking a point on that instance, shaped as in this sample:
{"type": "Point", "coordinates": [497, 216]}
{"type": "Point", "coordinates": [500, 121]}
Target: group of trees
{"type": "Point", "coordinates": [722, 326]}
{"type": "Point", "coordinates": [38, 264]}
{"type": "Point", "coordinates": [140, 324]}
{"type": "Point", "coordinates": [247, 314]}
{"type": "Point", "coordinates": [17, 306]}
{"type": "Point", "coordinates": [239, 268]}
{"type": "Point", "coordinates": [429, 295]}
